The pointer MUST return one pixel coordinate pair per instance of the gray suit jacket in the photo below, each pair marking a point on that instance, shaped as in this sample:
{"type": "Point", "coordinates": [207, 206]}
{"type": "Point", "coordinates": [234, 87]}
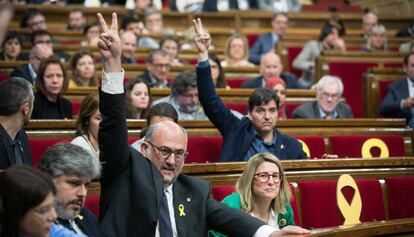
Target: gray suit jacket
{"type": "Point", "coordinates": [305, 59]}
{"type": "Point", "coordinates": [310, 110]}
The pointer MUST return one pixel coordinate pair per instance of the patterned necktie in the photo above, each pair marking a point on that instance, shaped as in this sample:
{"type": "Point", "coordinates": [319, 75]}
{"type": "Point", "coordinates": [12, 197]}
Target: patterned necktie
{"type": "Point", "coordinates": [164, 226]}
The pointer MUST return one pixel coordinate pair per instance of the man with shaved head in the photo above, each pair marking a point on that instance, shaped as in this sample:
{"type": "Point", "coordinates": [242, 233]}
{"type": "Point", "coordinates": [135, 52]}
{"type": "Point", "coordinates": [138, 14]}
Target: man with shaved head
{"type": "Point", "coordinates": [149, 196]}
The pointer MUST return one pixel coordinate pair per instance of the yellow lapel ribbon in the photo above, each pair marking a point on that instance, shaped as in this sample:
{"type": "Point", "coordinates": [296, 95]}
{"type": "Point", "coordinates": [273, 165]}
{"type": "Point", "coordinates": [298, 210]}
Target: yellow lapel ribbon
{"type": "Point", "coordinates": [80, 217]}
{"type": "Point", "coordinates": [351, 212]}
{"type": "Point", "coordinates": [181, 210]}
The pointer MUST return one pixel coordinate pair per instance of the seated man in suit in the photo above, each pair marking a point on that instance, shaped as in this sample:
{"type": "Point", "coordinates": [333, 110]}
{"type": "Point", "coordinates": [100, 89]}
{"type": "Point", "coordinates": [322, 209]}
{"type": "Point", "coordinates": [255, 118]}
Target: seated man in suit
{"type": "Point", "coordinates": [329, 91]}
{"type": "Point", "coordinates": [138, 193]}
{"type": "Point", "coordinates": [369, 20]}
{"type": "Point", "coordinates": [29, 71]}
{"type": "Point", "coordinates": [267, 42]}
{"type": "Point", "coordinates": [399, 100]}
{"type": "Point", "coordinates": [184, 97]}
{"type": "Point", "coordinates": [16, 106]}
{"type": "Point", "coordinates": [271, 66]}
{"type": "Point", "coordinates": [72, 168]}
{"type": "Point", "coordinates": [129, 45]}
{"type": "Point", "coordinates": [158, 69]}
{"type": "Point", "coordinates": [254, 133]}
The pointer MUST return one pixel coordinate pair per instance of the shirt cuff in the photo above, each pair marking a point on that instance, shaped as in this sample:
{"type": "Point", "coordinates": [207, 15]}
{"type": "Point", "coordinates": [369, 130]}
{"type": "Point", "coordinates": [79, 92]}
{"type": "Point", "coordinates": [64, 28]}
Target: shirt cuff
{"type": "Point", "coordinates": [265, 231]}
{"type": "Point", "coordinates": [203, 64]}
{"type": "Point", "coordinates": [113, 82]}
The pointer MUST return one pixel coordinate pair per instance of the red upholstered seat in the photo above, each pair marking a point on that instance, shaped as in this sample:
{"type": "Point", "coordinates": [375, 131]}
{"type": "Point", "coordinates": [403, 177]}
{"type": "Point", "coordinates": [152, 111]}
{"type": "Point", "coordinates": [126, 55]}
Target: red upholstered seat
{"type": "Point", "coordinates": [294, 204]}
{"type": "Point", "coordinates": [319, 203]}
{"type": "Point", "coordinates": [292, 53]}
{"type": "Point", "coordinates": [92, 204]}
{"type": "Point", "coordinates": [204, 149]}
{"type": "Point", "coordinates": [251, 39]}
{"type": "Point", "coordinates": [235, 82]}
{"type": "Point", "coordinates": [76, 107]}
{"type": "Point", "coordinates": [400, 197]}
{"type": "Point", "coordinates": [3, 77]}
{"type": "Point", "coordinates": [219, 192]}
{"type": "Point", "coordinates": [316, 145]}
{"type": "Point", "coordinates": [39, 146]}
{"type": "Point", "coordinates": [351, 75]}
{"type": "Point", "coordinates": [290, 106]}
{"type": "Point", "coordinates": [350, 146]}
{"type": "Point", "coordinates": [239, 107]}
{"type": "Point", "coordinates": [132, 140]}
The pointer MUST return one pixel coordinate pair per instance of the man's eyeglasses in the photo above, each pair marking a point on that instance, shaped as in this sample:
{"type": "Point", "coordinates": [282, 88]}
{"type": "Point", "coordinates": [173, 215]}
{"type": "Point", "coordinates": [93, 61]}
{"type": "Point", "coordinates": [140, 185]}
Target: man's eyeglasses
{"type": "Point", "coordinates": [160, 65]}
{"type": "Point", "coordinates": [264, 177]}
{"type": "Point", "coordinates": [329, 96]}
{"type": "Point", "coordinates": [165, 152]}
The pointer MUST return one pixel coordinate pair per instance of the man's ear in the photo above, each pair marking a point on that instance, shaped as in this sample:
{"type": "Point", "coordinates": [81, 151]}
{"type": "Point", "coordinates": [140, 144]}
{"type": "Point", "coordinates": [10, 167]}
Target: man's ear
{"type": "Point", "coordinates": [248, 115]}
{"type": "Point", "coordinates": [25, 108]}
{"type": "Point", "coordinates": [144, 149]}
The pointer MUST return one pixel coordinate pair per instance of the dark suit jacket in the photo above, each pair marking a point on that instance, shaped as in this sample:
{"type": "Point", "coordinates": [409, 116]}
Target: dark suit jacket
{"type": "Point", "coordinates": [390, 106]}
{"type": "Point", "coordinates": [290, 80]}
{"type": "Point", "coordinates": [131, 188]}
{"type": "Point", "coordinates": [7, 156]}
{"type": "Point", "coordinates": [88, 224]}
{"type": "Point", "coordinates": [263, 44]}
{"type": "Point", "coordinates": [310, 110]}
{"type": "Point", "coordinates": [238, 134]}
{"type": "Point", "coordinates": [24, 72]}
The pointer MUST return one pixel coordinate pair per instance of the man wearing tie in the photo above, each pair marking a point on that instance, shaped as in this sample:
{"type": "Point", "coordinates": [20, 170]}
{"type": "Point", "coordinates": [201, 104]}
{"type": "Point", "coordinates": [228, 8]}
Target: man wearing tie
{"type": "Point", "coordinates": [150, 197]}
{"type": "Point", "coordinates": [399, 100]}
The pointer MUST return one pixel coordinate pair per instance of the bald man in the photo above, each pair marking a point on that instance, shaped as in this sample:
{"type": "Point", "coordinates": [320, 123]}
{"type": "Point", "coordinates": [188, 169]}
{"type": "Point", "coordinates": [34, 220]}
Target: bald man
{"type": "Point", "coordinates": [271, 66]}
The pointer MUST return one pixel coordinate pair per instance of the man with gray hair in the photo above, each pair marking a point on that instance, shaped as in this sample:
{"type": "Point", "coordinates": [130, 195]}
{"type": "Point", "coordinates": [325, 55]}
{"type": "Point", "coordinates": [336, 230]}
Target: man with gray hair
{"type": "Point", "coordinates": [329, 91]}
{"type": "Point", "coordinates": [16, 106]}
{"type": "Point", "coordinates": [29, 71]}
{"type": "Point", "coordinates": [72, 168]}
{"type": "Point", "coordinates": [158, 69]}
{"type": "Point", "coordinates": [184, 97]}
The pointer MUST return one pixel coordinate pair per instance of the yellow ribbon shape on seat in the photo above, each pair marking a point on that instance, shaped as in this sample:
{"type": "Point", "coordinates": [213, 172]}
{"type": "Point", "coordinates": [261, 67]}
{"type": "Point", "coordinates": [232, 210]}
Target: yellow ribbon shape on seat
{"type": "Point", "coordinates": [350, 212]}
{"type": "Point", "coordinates": [374, 142]}
{"type": "Point", "coordinates": [181, 210]}
{"type": "Point", "coordinates": [305, 148]}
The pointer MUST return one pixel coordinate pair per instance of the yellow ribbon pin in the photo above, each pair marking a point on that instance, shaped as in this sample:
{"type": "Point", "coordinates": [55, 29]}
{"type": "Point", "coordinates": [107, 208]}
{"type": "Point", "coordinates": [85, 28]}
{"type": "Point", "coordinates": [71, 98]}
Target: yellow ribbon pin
{"type": "Point", "coordinates": [181, 210]}
{"type": "Point", "coordinates": [79, 216]}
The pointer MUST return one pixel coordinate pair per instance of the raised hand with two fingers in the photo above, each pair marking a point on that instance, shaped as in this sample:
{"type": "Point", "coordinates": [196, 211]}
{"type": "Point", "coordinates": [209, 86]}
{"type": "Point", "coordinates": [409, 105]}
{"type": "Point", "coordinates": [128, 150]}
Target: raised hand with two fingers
{"type": "Point", "coordinates": [109, 44]}
{"type": "Point", "coordinates": [202, 39]}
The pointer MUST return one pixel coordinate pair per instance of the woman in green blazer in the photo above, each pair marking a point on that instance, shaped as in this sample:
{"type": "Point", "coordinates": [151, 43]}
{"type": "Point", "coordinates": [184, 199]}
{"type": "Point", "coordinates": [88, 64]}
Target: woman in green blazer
{"type": "Point", "coordinates": [263, 192]}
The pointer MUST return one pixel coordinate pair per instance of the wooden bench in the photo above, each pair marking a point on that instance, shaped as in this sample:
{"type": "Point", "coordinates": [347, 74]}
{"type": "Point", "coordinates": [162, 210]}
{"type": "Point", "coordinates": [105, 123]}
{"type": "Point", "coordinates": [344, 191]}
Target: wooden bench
{"type": "Point", "coordinates": [375, 87]}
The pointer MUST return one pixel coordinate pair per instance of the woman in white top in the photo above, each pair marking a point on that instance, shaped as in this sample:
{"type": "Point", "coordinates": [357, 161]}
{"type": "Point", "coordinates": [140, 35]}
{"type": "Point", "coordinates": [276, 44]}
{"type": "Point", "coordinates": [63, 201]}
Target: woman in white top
{"type": "Point", "coordinates": [87, 125]}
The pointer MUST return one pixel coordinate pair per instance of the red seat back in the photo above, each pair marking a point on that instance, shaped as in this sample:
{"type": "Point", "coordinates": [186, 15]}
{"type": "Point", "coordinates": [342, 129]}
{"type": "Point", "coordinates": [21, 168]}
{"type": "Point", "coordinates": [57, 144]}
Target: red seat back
{"type": "Point", "coordinates": [239, 107]}
{"type": "Point", "coordinates": [76, 108]}
{"type": "Point", "coordinates": [294, 204]}
{"type": "Point", "coordinates": [316, 145]}
{"type": "Point", "coordinates": [204, 149]}
{"type": "Point", "coordinates": [292, 53]}
{"type": "Point", "coordinates": [235, 82]}
{"type": "Point", "coordinates": [219, 192]}
{"type": "Point", "coordinates": [319, 202]}
{"type": "Point", "coordinates": [39, 146]}
{"type": "Point", "coordinates": [92, 204]}
{"type": "Point", "coordinates": [351, 146]}
{"type": "Point", "coordinates": [400, 197]}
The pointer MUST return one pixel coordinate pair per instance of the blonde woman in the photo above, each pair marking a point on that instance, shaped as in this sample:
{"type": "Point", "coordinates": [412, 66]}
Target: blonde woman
{"type": "Point", "coordinates": [377, 41]}
{"type": "Point", "coordinates": [263, 192]}
{"type": "Point", "coordinates": [236, 52]}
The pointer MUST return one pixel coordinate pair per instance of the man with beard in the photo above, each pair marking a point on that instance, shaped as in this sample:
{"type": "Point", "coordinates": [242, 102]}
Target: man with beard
{"type": "Point", "coordinates": [72, 168]}
{"type": "Point", "coordinates": [184, 97]}
{"type": "Point", "coordinates": [16, 106]}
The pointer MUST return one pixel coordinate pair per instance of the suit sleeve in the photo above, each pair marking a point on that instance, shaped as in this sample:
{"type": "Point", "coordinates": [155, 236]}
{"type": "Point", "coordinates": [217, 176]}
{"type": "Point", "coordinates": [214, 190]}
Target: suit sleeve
{"type": "Point", "coordinates": [214, 108]}
{"type": "Point", "coordinates": [391, 105]}
{"type": "Point", "coordinates": [255, 51]}
{"type": "Point", "coordinates": [305, 59]}
{"type": "Point", "coordinates": [113, 136]}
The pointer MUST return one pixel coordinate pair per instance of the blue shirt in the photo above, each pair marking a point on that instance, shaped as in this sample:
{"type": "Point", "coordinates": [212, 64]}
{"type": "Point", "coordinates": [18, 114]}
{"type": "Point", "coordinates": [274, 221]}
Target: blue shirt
{"type": "Point", "coordinates": [259, 145]}
{"type": "Point", "coordinates": [60, 231]}
{"type": "Point", "coordinates": [323, 114]}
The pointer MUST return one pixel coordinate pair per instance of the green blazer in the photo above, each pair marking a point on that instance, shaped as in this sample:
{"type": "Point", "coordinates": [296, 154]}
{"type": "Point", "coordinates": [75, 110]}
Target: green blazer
{"type": "Point", "coordinates": [233, 200]}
